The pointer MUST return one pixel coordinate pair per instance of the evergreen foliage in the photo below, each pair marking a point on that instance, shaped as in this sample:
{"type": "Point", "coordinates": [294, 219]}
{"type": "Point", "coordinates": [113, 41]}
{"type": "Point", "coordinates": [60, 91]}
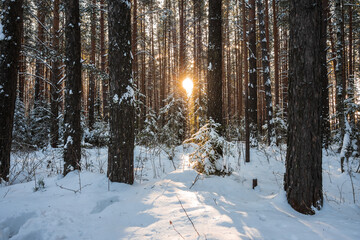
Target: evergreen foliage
{"type": "Point", "coordinates": [21, 139]}
{"type": "Point", "coordinates": [206, 157]}
{"type": "Point", "coordinates": [40, 124]}
{"type": "Point", "coordinates": [99, 135]}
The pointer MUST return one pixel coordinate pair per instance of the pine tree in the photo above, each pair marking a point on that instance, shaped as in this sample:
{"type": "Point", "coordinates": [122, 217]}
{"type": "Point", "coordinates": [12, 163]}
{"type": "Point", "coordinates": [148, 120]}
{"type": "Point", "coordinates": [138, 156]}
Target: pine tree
{"type": "Point", "coordinates": [340, 68]}
{"type": "Point", "coordinates": [214, 90]}
{"type": "Point", "coordinates": [245, 59]}
{"type": "Point", "coordinates": [266, 70]}
{"type": "Point", "coordinates": [55, 77]}
{"type": "Point", "coordinates": [214, 93]}
{"type": "Point", "coordinates": [303, 178]}
{"type": "Point", "coordinates": [122, 111]}
{"type": "Point", "coordinates": [72, 135]}
{"type": "Point", "coordinates": [252, 71]}
{"type": "Point", "coordinates": [10, 44]}
{"type": "Point", "coordinates": [325, 118]}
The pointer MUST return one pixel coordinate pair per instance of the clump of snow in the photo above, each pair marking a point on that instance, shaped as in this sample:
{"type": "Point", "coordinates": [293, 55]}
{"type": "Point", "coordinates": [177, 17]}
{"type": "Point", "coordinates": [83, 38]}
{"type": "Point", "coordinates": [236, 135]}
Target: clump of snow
{"type": "Point", "coordinates": [2, 36]}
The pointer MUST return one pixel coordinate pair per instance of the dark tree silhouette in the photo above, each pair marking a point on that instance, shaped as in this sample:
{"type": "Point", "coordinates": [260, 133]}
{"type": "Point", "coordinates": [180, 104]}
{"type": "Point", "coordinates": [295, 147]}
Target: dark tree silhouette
{"type": "Point", "coordinates": [10, 43]}
{"type": "Point", "coordinates": [122, 112]}
{"type": "Point", "coordinates": [303, 178]}
{"type": "Point", "coordinates": [72, 135]}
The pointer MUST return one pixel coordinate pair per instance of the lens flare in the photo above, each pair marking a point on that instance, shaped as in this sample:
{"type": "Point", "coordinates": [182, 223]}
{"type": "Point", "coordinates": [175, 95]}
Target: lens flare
{"type": "Point", "coordinates": [188, 86]}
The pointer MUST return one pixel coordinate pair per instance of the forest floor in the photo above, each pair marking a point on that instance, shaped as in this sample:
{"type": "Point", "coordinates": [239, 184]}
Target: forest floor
{"type": "Point", "coordinates": [169, 200]}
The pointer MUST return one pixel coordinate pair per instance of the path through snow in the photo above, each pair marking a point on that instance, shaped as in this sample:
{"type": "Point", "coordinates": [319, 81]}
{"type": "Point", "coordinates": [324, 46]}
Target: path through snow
{"type": "Point", "coordinates": [220, 207]}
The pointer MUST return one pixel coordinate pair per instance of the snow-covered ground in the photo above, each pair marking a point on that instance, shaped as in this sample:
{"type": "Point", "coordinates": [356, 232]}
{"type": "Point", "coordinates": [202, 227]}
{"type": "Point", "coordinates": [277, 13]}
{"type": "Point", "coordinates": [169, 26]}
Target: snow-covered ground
{"type": "Point", "coordinates": [88, 206]}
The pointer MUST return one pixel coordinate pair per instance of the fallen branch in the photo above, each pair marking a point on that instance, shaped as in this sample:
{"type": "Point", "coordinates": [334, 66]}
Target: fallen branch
{"type": "Point", "coordinates": [72, 190]}
{"type": "Point", "coordinates": [188, 216]}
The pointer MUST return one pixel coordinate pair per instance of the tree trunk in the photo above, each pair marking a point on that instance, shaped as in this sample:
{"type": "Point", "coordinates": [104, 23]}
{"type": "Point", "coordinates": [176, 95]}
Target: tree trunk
{"type": "Point", "coordinates": [303, 178]}
{"type": "Point", "coordinates": [215, 61]}
{"type": "Point", "coordinates": [340, 69]}
{"type": "Point", "coordinates": [182, 49]}
{"type": "Point", "coordinates": [245, 60]}
{"type": "Point", "coordinates": [351, 78]}
{"type": "Point", "coordinates": [22, 65]}
{"type": "Point", "coordinates": [91, 94]}
{"type": "Point", "coordinates": [325, 119]}
{"type": "Point", "coordinates": [122, 112]}
{"type": "Point", "coordinates": [10, 44]}
{"type": "Point", "coordinates": [105, 84]}
{"type": "Point", "coordinates": [72, 128]}
{"type": "Point", "coordinates": [266, 70]}
{"type": "Point", "coordinates": [55, 78]}
{"type": "Point", "coordinates": [39, 70]}
{"type": "Point", "coordinates": [276, 53]}
{"type": "Point", "coordinates": [252, 71]}
{"type": "Point", "coordinates": [143, 72]}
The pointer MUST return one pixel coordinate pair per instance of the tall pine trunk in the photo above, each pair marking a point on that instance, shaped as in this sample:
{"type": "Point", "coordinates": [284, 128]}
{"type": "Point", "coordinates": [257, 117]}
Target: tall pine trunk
{"type": "Point", "coordinates": [55, 78]}
{"type": "Point", "coordinates": [276, 53]}
{"type": "Point", "coordinates": [10, 44]}
{"type": "Point", "coordinates": [252, 71]}
{"type": "Point", "coordinates": [340, 69]}
{"type": "Point", "coordinates": [91, 94]}
{"type": "Point", "coordinates": [303, 178]}
{"type": "Point", "coordinates": [72, 135]}
{"type": "Point", "coordinates": [325, 119]}
{"type": "Point", "coordinates": [122, 111]}
{"type": "Point", "coordinates": [214, 93]}
{"type": "Point", "coordinates": [266, 70]}
{"type": "Point", "coordinates": [245, 60]}
{"type": "Point", "coordinates": [105, 84]}
{"type": "Point", "coordinates": [39, 70]}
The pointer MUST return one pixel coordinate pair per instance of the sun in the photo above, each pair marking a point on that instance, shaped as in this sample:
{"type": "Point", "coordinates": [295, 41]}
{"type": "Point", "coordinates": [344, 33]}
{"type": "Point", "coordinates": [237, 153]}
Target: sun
{"type": "Point", "coordinates": [188, 86]}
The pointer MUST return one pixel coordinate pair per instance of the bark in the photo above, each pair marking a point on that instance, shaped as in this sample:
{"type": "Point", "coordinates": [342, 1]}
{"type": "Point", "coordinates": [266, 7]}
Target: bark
{"type": "Point", "coordinates": [11, 19]}
{"type": "Point", "coordinates": [267, 30]}
{"type": "Point", "coordinates": [228, 63]}
{"type": "Point", "coordinates": [245, 60]}
{"type": "Point", "coordinates": [152, 82]}
{"type": "Point", "coordinates": [276, 52]}
{"type": "Point", "coordinates": [325, 118]}
{"type": "Point", "coordinates": [91, 94]}
{"type": "Point", "coordinates": [182, 49]}
{"type": "Point", "coordinates": [214, 93]}
{"type": "Point", "coordinates": [122, 112]}
{"type": "Point", "coordinates": [39, 70]}
{"type": "Point", "coordinates": [72, 128]}
{"type": "Point", "coordinates": [198, 52]}
{"type": "Point", "coordinates": [105, 84]}
{"type": "Point", "coordinates": [22, 65]}
{"type": "Point", "coordinates": [303, 178]}
{"type": "Point", "coordinates": [340, 68]}
{"type": "Point", "coordinates": [351, 76]}
{"type": "Point", "coordinates": [252, 71]}
{"type": "Point", "coordinates": [55, 78]}
{"type": "Point", "coordinates": [134, 37]}
{"type": "Point", "coordinates": [143, 72]}
{"type": "Point", "coordinates": [266, 70]}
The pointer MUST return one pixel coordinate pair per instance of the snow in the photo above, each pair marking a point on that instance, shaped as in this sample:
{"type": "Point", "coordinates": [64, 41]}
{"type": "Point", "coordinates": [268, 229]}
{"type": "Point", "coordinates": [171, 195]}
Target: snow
{"type": "Point", "coordinates": [116, 98]}
{"type": "Point", "coordinates": [2, 36]}
{"type": "Point", "coordinates": [210, 66]}
{"type": "Point", "coordinates": [220, 207]}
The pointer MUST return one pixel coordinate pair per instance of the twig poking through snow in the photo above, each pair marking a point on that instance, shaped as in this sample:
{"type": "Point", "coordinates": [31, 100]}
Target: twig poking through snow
{"type": "Point", "coordinates": [6, 193]}
{"type": "Point", "coordinates": [196, 178]}
{"type": "Point", "coordinates": [188, 216]}
{"type": "Point", "coordinates": [176, 230]}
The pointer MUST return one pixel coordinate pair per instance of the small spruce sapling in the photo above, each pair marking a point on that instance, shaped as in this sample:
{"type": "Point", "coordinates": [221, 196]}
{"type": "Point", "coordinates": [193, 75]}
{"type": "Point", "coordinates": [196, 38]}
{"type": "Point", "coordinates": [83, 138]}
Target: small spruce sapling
{"type": "Point", "coordinates": [205, 157]}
